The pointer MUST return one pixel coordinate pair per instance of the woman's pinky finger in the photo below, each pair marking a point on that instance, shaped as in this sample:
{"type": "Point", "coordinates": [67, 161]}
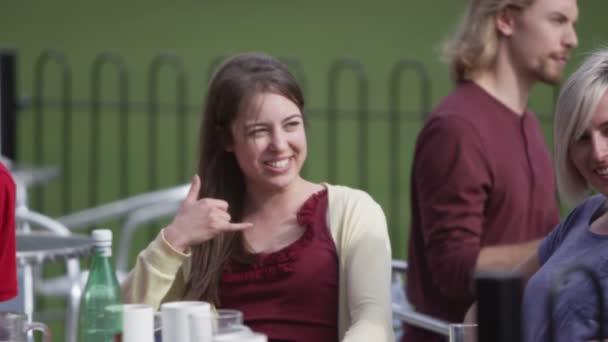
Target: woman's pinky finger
{"type": "Point", "coordinates": [238, 226]}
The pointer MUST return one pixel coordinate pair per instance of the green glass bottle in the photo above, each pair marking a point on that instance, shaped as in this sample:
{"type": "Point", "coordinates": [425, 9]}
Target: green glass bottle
{"type": "Point", "coordinates": [100, 307]}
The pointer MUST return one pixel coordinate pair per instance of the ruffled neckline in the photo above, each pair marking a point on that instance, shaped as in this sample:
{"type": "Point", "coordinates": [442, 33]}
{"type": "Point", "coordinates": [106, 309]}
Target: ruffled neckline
{"type": "Point", "coordinates": [268, 267]}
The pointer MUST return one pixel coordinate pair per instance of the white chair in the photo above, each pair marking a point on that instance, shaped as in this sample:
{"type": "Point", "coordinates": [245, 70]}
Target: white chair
{"type": "Point", "coordinates": [121, 208]}
{"type": "Point", "coordinates": [137, 220]}
{"type": "Point", "coordinates": [403, 312]}
{"type": "Point", "coordinates": [398, 297]}
{"type": "Point", "coordinates": [134, 208]}
{"type": "Point", "coordinates": [26, 220]}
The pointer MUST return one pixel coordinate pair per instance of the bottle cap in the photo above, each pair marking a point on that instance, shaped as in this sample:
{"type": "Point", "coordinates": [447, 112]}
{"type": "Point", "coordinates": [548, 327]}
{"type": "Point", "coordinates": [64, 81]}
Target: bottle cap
{"type": "Point", "coordinates": [102, 237]}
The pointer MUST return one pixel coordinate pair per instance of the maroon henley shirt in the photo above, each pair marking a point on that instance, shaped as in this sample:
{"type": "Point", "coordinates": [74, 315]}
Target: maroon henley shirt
{"type": "Point", "coordinates": [482, 176]}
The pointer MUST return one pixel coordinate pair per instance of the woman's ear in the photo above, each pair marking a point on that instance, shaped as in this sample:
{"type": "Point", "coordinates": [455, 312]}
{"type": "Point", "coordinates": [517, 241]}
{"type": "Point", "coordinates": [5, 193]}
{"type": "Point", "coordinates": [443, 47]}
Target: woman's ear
{"type": "Point", "coordinates": [228, 144]}
{"type": "Point", "coordinates": [225, 138]}
{"type": "Point", "coordinates": [505, 21]}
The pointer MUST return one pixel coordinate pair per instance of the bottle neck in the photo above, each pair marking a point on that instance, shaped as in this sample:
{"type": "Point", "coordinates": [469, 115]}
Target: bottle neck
{"type": "Point", "coordinates": [103, 251]}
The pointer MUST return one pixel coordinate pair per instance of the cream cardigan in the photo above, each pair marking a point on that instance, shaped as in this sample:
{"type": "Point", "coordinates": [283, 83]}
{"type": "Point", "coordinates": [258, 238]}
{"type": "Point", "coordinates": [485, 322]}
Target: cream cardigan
{"type": "Point", "coordinates": [358, 227]}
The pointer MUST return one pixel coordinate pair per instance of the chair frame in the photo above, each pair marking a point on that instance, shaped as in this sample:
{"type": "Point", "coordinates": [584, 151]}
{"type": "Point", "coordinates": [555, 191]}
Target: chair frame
{"type": "Point", "coordinates": [72, 283]}
{"type": "Point", "coordinates": [24, 218]}
{"type": "Point", "coordinates": [453, 331]}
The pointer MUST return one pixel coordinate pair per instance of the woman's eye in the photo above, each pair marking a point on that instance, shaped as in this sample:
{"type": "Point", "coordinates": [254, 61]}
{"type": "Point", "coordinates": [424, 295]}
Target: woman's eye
{"type": "Point", "coordinates": [583, 138]}
{"type": "Point", "coordinates": [293, 124]}
{"type": "Point", "coordinates": [257, 132]}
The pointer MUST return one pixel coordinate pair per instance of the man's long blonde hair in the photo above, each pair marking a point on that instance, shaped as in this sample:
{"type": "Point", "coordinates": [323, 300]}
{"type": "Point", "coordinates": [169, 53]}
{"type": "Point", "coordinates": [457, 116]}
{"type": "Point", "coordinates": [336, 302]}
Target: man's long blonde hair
{"type": "Point", "coordinates": [474, 46]}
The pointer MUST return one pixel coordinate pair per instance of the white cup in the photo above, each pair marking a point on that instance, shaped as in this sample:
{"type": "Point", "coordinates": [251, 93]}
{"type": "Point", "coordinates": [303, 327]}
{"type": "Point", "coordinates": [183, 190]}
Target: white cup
{"type": "Point", "coordinates": [245, 335]}
{"type": "Point", "coordinates": [201, 327]}
{"type": "Point", "coordinates": [137, 323]}
{"type": "Point", "coordinates": [256, 337]}
{"type": "Point", "coordinates": [175, 323]}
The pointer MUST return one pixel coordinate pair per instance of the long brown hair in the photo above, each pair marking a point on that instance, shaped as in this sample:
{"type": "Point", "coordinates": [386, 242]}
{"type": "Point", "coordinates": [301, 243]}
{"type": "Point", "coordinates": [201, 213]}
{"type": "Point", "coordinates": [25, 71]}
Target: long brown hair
{"type": "Point", "coordinates": [475, 44]}
{"type": "Point", "coordinates": [230, 92]}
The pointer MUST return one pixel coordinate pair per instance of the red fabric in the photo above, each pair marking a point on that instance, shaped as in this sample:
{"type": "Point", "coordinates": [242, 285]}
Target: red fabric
{"type": "Point", "coordinates": [8, 262]}
{"type": "Point", "coordinates": [291, 294]}
{"type": "Point", "coordinates": [482, 176]}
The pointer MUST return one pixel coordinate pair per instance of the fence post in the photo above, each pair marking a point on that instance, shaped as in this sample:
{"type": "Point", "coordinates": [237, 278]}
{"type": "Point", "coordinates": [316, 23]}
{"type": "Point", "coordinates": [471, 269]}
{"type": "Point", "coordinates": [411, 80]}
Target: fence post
{"type": "Point", "coordinates": [8, 104]}
{"type": "Point", "coordinates": [362, 82]}
{"type": "Point", "coordinates": [154, 109]}
{"type": "Point", "coordinates": [395, 143]}
{"type": "Point", "coordinates": [40, 106]}
{"type": "Point", "coordinates": [119, 64]}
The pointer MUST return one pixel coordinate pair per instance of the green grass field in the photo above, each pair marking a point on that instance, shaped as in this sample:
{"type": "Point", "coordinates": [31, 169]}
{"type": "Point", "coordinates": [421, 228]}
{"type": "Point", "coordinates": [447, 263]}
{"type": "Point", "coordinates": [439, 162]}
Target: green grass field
{"type": "Point", "coordinates": [316, 33]}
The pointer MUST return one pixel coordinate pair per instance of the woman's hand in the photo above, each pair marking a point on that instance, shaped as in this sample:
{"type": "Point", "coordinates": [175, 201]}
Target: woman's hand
{"type": "Point", "coordinates": [199, 220]}
{"type": "Point", "coordinates": [471, 316]}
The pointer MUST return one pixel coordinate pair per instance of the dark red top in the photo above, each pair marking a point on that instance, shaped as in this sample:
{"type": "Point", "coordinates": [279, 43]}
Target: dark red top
{"type": "Point", "coordinates": [482, 176]}
{"type": "Point", "coordinates": [8, 263]}
{"type": "Point", "coordinates": [291, 294]}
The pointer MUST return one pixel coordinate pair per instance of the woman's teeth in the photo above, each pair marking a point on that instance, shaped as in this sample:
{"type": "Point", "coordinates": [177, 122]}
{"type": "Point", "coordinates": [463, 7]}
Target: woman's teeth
{"type": "Point", "coordinates": [279, 163]}
{"type": "Point", "coordinates": [602, 172]}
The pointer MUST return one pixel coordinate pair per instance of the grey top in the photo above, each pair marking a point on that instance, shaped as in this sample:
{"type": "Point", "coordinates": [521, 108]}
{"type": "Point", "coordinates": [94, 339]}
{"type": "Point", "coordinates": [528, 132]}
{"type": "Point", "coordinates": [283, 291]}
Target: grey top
{"type": "Point", "coordinates": [570, 243]}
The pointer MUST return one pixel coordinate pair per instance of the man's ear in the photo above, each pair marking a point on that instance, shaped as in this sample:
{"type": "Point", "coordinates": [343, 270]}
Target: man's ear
{"type": "Point", "coordinates": [505, 21]}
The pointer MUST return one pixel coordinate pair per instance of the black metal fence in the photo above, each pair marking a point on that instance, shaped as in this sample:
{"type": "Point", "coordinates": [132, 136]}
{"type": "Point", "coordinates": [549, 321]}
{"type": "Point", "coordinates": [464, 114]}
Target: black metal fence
{"type": "Point", "coordinates": [8, 104]}
{"type": "Point", "coordinates": [108, 65]}
{"type": "Point", "coordinates": [78, 128]}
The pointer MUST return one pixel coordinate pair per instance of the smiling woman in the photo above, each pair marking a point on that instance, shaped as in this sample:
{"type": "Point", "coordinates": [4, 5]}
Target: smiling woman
{"type": "Point", "coordinates": [253, 234]}
{"type": "Point", "coordinates": [581, 239]}
{"type": "Point", "coordinates": [269, 143]}
{"type": "Point", "coordinates": [589, 153]}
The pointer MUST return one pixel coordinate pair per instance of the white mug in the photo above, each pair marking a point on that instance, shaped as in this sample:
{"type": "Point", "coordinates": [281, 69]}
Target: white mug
{"type": "Point", "coordinates": [245, 335]}
{"type": "Point", "coordinates": [137, 323]}
{"type": "Point", "coordinates": [174, 316]}
{"type": "Point", "coordinates": [201, 327]}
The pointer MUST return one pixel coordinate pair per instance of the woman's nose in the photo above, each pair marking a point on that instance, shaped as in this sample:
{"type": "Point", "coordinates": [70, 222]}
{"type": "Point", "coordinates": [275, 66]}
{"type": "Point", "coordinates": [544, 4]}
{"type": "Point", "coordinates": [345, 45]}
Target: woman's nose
{"type": "Point", "coordinates": [599, 146]}
{"type": "Point", "coordinates": [279, 140]}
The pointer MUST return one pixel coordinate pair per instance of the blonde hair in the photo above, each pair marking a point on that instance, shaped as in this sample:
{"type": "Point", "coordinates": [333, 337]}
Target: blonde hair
{"type": "Point", "coordinates": [475, 44]}
{"type": "Point", "coordinates": [576, 105]}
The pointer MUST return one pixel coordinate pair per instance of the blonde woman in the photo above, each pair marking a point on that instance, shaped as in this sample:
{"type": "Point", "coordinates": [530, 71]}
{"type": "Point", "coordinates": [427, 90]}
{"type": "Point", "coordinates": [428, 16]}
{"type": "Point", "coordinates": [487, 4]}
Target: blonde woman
{"type": "Point", "coordinates": [581, 159]}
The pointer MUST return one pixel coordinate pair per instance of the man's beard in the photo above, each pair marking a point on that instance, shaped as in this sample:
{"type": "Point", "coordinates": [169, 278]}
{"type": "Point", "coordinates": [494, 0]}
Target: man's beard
{"type": "Point", "coordinates": [549, 72]}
